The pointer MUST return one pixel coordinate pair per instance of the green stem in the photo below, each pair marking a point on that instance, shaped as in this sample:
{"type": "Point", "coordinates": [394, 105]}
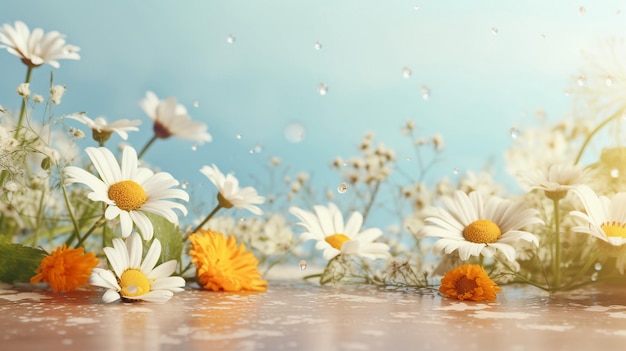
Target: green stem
{"type": "Point", "coordinates": [76, 231]}
{"type": "Point", "coordinates": [97, 224]}
{"type": "Point", "coordinates": [23, 109]}
{"type": "Point", "coordinates": [148, 144]}
{"type": "Point", "coordinates": [593, 132]}
{"type": "Point", "coordinates": [557, 247]}
{"type": "Point", "coordinates": [199, 226]}
{"type": "Point", "coordinates": [371, 202]}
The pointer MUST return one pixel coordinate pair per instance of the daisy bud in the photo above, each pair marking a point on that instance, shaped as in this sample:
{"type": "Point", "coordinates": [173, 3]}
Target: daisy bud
{"type": "Point", "coordinates": [56, 93]}
{"type": "Point", "coordinates": [23, 89]}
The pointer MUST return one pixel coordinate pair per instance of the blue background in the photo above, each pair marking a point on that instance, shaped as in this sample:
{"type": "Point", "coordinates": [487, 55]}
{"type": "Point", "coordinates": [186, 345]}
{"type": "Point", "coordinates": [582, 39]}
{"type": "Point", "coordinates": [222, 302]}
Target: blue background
{"type": "Point", "coordinates": [488, 64]}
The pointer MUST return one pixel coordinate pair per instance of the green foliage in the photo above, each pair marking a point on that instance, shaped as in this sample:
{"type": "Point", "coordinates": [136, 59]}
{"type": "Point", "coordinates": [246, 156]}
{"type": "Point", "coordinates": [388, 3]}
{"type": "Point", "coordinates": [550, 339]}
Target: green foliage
{"type": "Point", "coordinates": [170, 237]}
{"type": "Point", "coordinates": [18, 263]}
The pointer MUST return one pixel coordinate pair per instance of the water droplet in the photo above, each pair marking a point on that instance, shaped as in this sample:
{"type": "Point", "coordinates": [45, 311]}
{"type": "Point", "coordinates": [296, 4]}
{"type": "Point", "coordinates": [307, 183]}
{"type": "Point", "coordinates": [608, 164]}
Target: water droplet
{"type": "Point", "coordinates": [594, 276]}
{"type": "Point", "coordinates": [295, 132]}
{"type": "Point", "coordinates": [609, 81]}
{"type": "Point", "coordinates": [543, 35]}
{"type": "Point", "coordinates": [455, 171]}
{"type": "Point", "coordinates": [582, 10]}
{"type": "Point", "coordinates": [581, 80]}
{"type": "Point", "coordinates": [342, 188]}
{"type": "Point", "coordinates": [242, 219]}
{"type": "Point", "coordinates": [194, 147]}
{"type": "Point", "coordinates": [231, 39]}
{"type": "Point", "coordinates": [425, 91]}
{"type": "Point", "coordinates": [302, 265]}
{"type": "Point", "coordinates": [251, 151]}
{"type": "Point", "coordinates": [184, 184]}
{"type": "Point", "coordinates": [323, 89]}
{"type": "Point", "coordinates": [597, 266]}
{"type": "Point", "coordinates": [238, 136]}
{"type": "Point", "coordinates": [317, 45]}
{"type": "Point", "coordinates": [196, 104]}
{"type": "Point", "coordinates": [494, 31]}
{"type": "Point", "coordinates": [568, 92]}
{"type": "Point", "coordinates": [614, 173]}
{"type": "Point", "coordinates": [408, 159]}
{"type": "Point", "coordinates": [406, 73]}
{"type": "Point", "coordinates": [514, 132]}
{"type": "Point", "coordinates": [258, 148]}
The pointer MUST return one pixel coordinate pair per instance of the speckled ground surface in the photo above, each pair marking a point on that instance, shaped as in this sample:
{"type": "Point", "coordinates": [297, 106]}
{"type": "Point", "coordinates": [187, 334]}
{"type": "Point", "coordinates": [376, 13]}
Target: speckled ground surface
{"type": "Point", "coordinates": [295, 315]}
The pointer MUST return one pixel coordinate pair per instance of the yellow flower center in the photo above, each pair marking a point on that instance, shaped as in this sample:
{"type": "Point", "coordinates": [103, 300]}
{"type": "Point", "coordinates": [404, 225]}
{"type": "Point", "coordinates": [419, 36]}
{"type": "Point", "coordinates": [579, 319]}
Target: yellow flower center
{"type": "Point", "coordinates": [464, 285]}
{"type": "Point", "coordinates": [127, 195]}
{"type": "Point", "coordinates": [134, 283]}
{"type": "Point", "coordinates": [337, 240]}
{"type": "Point", "coordinates": [482, 231]}
{"type": "Point", "coordinates": [614, 229]}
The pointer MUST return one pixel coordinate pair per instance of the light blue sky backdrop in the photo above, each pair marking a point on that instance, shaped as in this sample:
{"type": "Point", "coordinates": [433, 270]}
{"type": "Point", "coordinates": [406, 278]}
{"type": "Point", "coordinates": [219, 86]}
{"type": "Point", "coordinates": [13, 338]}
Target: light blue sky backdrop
{"type": "Point", "coordinates": [488, 64]}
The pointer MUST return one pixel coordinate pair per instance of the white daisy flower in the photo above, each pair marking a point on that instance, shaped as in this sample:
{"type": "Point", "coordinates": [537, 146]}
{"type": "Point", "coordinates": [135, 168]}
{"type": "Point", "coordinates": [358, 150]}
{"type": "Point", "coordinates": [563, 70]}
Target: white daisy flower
{"type": "Point", "coordinates": [230, 195]}
{"type": "Point", "coordinates": [171, 118]}
{"type": "Point", "coordinates": [556, 181]}
{"type": "Point", "coordinates": [474, 227]}
{"type": "Point", "coordinates": [36, 48]}
{"type": "Point", "coordinates": [605, 219]}
{"type": "Point", "coordinates": [327, 227]}
{"type": "Point", "coordinates": [129, 190]}
{"type": "Point", "coordinates": [101, 129]}
{"type": "Point", "coordinates": [132, 279]}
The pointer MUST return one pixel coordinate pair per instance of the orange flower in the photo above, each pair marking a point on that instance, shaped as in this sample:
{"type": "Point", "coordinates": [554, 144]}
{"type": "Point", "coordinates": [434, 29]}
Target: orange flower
{"type": "Point", "coordinates": [65, 269]}
{"type": "Point", "coordinates": [221, 265]}
{"type": "Point", "coordinates": [468, 282]}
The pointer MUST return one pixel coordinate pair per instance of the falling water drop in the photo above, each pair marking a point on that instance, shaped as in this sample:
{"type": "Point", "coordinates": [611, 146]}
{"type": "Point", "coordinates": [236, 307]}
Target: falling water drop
{"type": "Point", "coordinates": [295, 132]}
{"type": "Point", "coordinates": [258, 148]}
{"type": "Point", "coordinates": [455, 171]}
{"type": "Point", "coordinates": [425, 91]}
{"type": "Point", "coordinates": [196, 104]}
{"type": "Point", "coordinates": [514, 132]}
{"type": "Point", "coordinates": [184, 184]}
{"type": "Point", "coordinates": [609, 81]}
{"type": "Point", "coordinates": [194, 147]}
{"type": "Point", "coordinates": [242, 219]}
{"type": "Point", "coordinates": [238, 136]}
{"type": "Point", "coordinates": [582, 10]}
{"type": "Point", "coordinates": [581, 80]}
{"type": "Point", "coordinates": [614, 173]}
{"type": "Point", "coordinates": [230, 39]}
{"type": "Point", "coordinates": [494, 31]}
{"type": "Point", "coordinates": [317, 45]}
{"type": "Point", "coordinates": [342, 188]}
{"type": "Point", "coordinates": [597, 266]}
{"type": "Point", "coordinates": [416, 7]}
{"type": "Point", "coordinates": [323, 89]}
{"type": "Point", "coordinates": [302, 265]}
{"type": "Point", "coordinates": [406, 73]}
{"type": "Point", "coordinates": [594, 276]}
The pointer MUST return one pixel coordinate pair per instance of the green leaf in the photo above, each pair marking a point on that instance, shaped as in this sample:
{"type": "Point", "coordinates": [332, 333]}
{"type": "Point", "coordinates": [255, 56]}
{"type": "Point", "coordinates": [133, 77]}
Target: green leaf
{"type": "Point", "coordinates": [169, 235]}
{"type": "Point", "coordinates": [18, 263]}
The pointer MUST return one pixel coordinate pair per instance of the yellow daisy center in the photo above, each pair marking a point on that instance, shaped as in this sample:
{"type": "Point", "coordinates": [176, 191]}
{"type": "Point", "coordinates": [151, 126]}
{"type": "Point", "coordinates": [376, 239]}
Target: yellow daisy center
{"type": "Point", "coordinates": [482, 231]}
{"type": "Point", "coordinates": [337, 240]}
{"type": "Point", "coordinates": [614, 229]}
{"type": "Point", "coordinates": [134, 283]}
{"type": "Point", "coordinates": [127, 195]}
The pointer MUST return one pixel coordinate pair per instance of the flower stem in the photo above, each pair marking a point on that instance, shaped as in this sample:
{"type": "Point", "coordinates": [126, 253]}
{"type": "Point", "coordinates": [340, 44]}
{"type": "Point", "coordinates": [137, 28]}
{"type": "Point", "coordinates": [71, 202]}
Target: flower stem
{"type": "Point", "coordinates": [23, 109]}
{"type": "Point", "coordinates": [148, 144]}
{"type": "Point", "coordinates": [593, 132]}
{"type": "Point", "coordinates": [371, 202]}
{"type": "Point", "coordinates": [557, 246]}
{"type": "Point", "coordinates": [97, 224]}
{"type": "Point", "coordinates": [199, 226]}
